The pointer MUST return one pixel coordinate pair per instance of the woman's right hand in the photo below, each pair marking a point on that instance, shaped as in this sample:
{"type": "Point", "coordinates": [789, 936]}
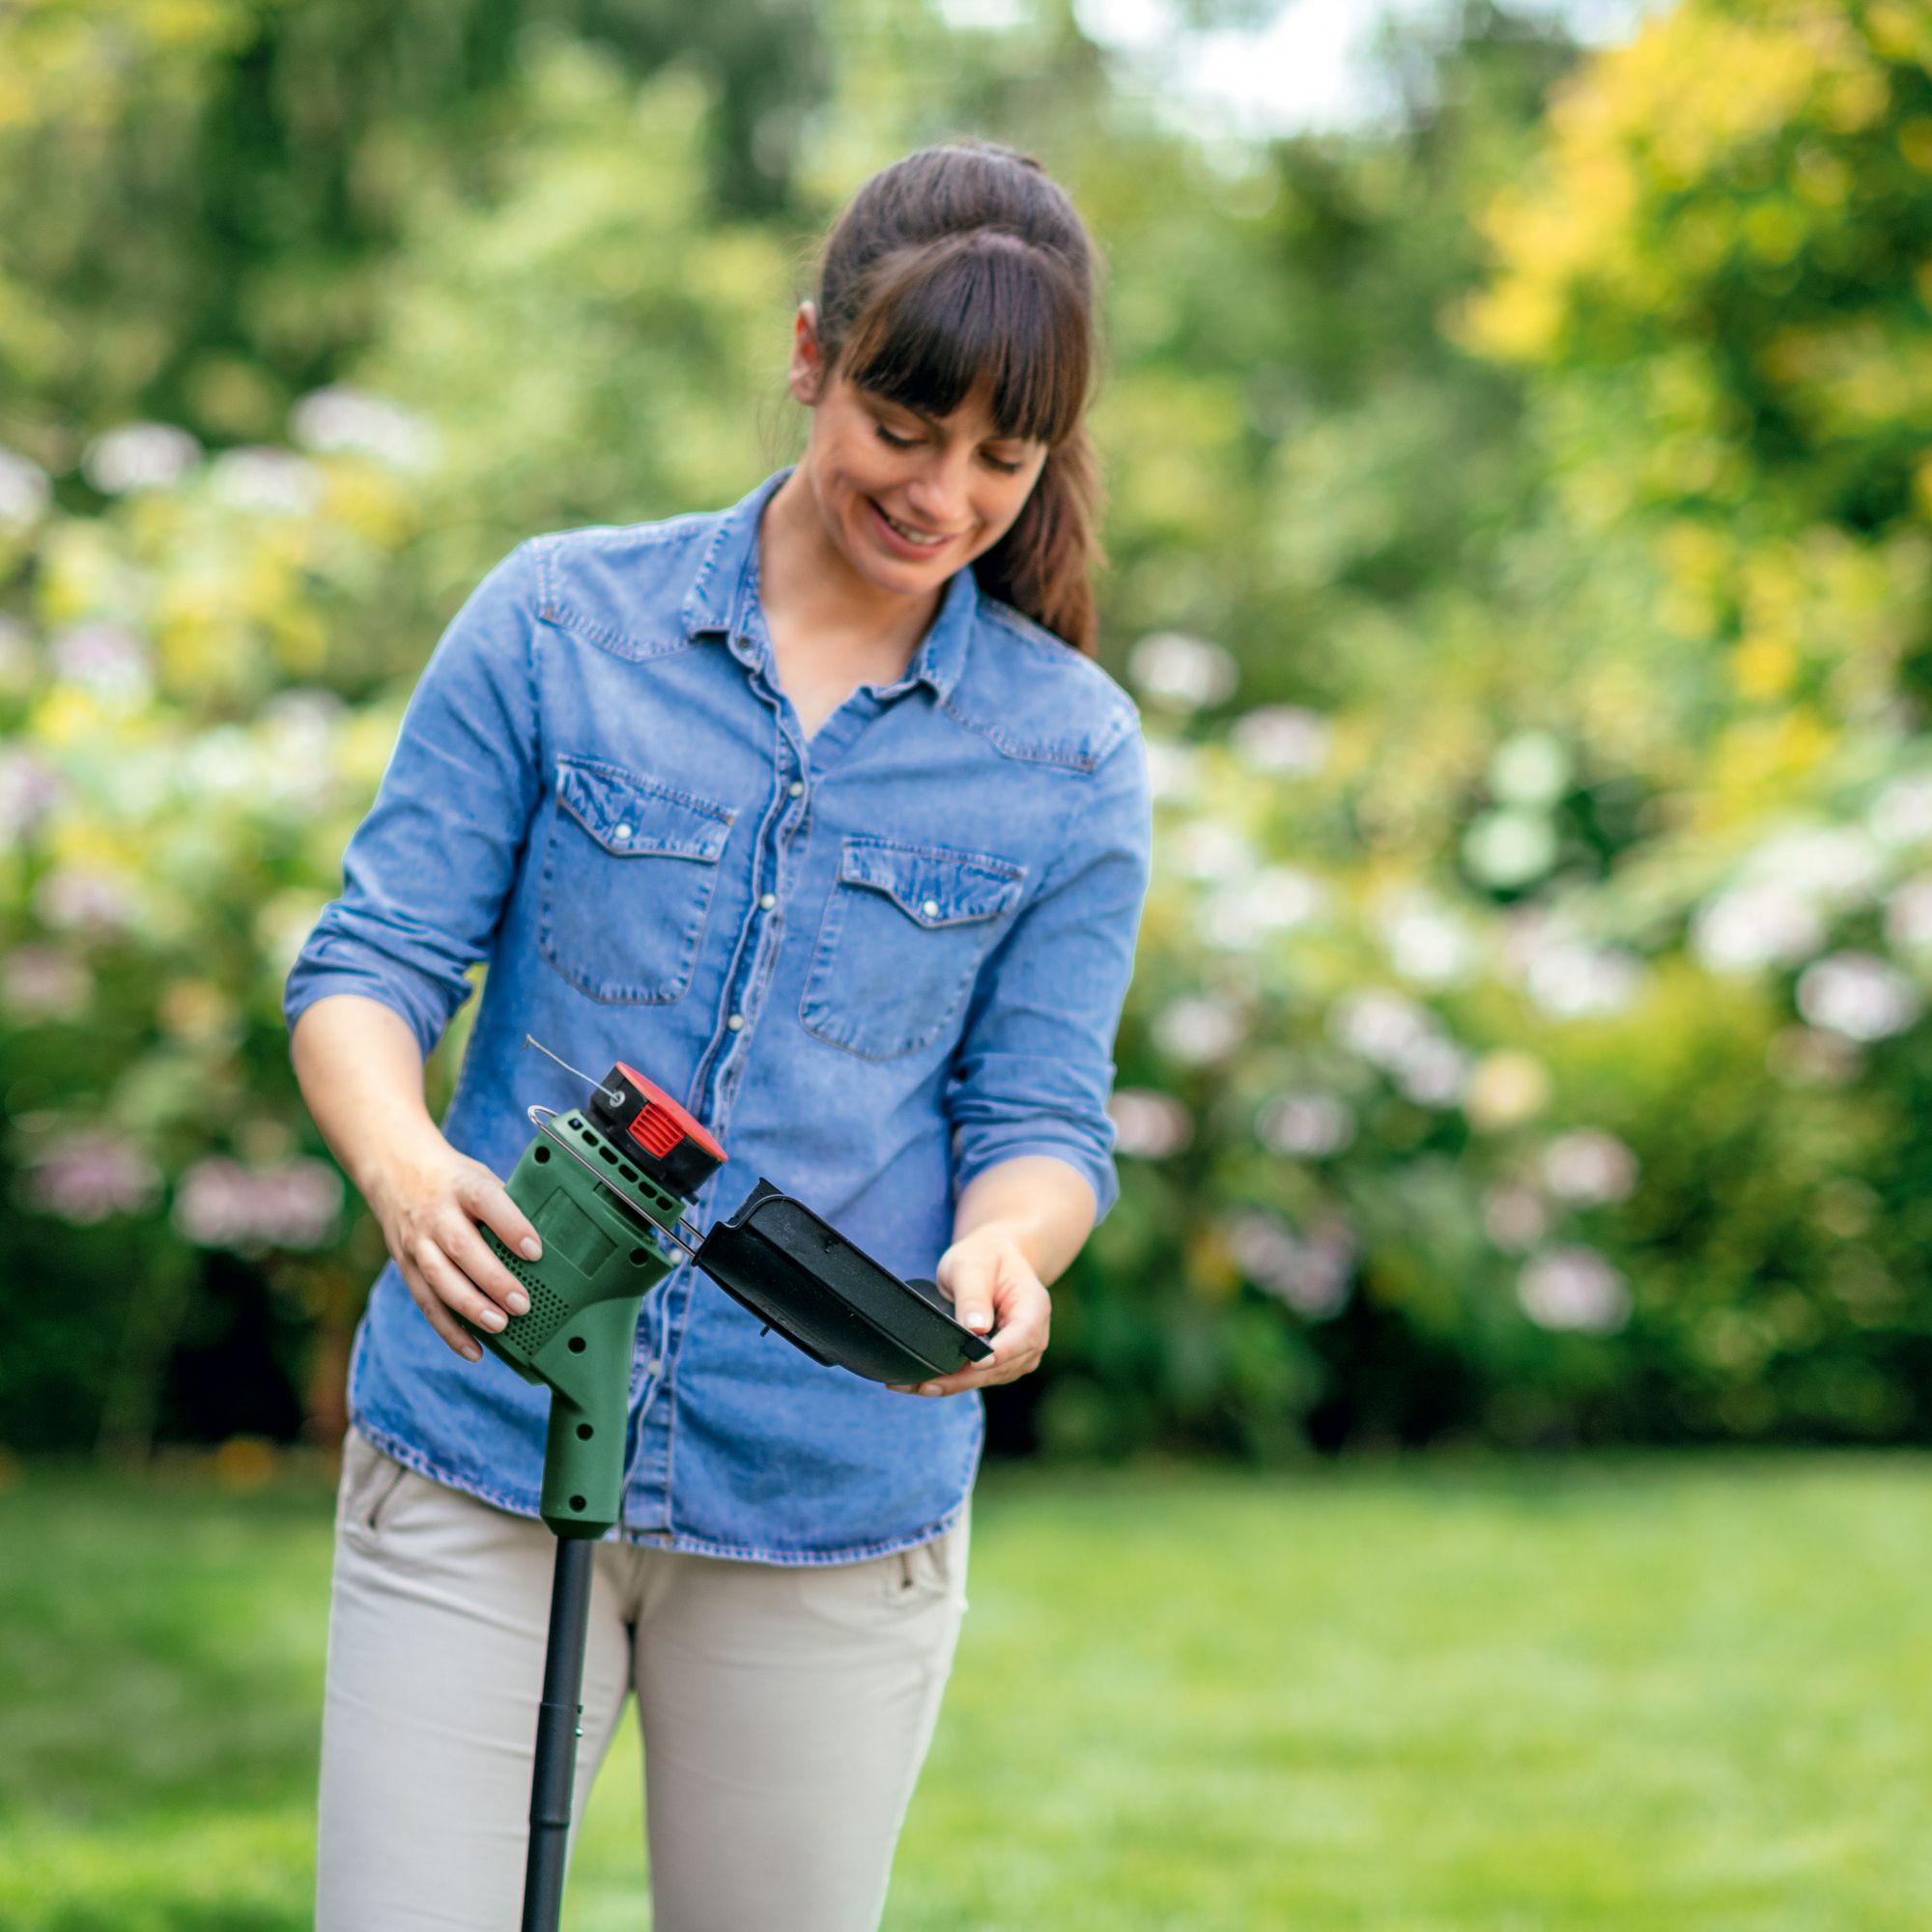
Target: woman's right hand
{"type": "Point", "coordinates": [429, 1204]}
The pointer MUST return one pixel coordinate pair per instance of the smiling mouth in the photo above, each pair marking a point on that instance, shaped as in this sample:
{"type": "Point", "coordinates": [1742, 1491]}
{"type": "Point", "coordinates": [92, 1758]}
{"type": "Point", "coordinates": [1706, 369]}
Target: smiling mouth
{"type": "Point", "coordinates": [922, 539]}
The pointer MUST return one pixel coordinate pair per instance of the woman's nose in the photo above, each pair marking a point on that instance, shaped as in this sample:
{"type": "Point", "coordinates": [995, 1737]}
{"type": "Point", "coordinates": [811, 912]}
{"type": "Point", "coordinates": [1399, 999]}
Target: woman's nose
{"type": "Point", "coordinates": [938, 495]}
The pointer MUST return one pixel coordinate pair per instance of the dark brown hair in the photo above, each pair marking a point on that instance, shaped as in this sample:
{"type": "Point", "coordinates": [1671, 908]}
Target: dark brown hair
{"type": "Point", "coordinates": [965, 264]}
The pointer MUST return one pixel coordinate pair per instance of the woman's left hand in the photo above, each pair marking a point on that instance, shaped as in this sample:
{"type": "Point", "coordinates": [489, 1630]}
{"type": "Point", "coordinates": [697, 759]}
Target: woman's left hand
{"type": "Point", "coordinates": [992, 1285]}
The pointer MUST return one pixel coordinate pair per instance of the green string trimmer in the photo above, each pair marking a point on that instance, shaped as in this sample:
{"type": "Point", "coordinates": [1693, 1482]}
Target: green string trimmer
{"type": "Point", "coordinates": [605, 1187]}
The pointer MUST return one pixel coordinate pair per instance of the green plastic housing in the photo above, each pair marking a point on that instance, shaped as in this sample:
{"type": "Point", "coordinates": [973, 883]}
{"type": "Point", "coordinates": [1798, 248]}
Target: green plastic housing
{"type": "Point", "coordinates": [599, 1261]}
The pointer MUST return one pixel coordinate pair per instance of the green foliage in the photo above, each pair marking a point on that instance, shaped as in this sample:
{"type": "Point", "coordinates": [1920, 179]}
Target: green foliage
{"type": "Point", "coordinates": [1519, 530]}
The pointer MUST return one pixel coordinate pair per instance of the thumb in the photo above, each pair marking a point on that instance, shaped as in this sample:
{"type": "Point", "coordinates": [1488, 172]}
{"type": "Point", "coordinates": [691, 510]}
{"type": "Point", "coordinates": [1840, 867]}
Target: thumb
{"type": "Point", "coordinates": [968, 1275]}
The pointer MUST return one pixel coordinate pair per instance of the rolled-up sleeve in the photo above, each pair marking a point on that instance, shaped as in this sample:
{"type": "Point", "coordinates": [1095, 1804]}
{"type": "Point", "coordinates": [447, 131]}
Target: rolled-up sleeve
{"type": "Point", "coordinates": [1034, 1064]}
{"type": "Point", "coordinates": [425, 877]}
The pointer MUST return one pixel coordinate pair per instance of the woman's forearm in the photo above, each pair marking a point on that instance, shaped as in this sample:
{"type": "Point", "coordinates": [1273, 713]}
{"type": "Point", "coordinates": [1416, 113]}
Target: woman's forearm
{"type": "Point", "coordinates": [361, 1073]}
{"type": "Point", "coordinates": [1045, 1204]}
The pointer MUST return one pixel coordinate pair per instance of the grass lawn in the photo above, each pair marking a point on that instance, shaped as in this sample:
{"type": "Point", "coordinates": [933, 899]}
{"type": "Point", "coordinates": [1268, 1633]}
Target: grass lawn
{"type": "Point", "coordinates": [1673, 1695]}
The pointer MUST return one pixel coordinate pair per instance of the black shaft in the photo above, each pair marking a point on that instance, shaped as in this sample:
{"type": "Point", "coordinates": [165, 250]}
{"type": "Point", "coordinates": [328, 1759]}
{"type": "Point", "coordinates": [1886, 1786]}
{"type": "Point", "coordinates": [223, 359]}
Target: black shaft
{"type": "Point", "coordinates": [557, 1730]}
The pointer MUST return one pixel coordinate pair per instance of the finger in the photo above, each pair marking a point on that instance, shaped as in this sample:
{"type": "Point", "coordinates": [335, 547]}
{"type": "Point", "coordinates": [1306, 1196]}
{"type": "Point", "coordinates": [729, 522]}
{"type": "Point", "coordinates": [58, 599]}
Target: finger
{"type": "Point", "coordinates": [456, 1290]}
{"type": "Point", "coordinates": [435, 1313]}
{"type": "Point", "coordinates": [970, 1283]}
{"type": "Point", "coordinates": [1007, 1364]}
{"type": "Point", "coordinates": [489, 1201]}
{"type": "Point", "coordinates": [464, 1245]}
{"type": "Point", "coordinates": [979, 1378]}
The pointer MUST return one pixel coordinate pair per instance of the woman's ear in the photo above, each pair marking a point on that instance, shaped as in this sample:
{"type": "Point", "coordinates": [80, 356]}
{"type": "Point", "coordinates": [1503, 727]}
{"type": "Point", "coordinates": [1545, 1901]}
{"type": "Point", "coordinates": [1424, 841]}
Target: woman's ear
{"type": "Point", "coordinates": [807, 375]}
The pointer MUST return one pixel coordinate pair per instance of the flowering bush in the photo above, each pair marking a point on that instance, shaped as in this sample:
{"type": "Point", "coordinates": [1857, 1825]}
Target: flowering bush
{"type": "Point", "coordinates": [1528, 1039]}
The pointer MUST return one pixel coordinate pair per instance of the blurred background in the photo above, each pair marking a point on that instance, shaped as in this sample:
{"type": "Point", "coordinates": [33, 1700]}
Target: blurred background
{"type": "Point", "coordinates": [1521, 523]}
{"type": "Point", "coordinates": [1517, 424]}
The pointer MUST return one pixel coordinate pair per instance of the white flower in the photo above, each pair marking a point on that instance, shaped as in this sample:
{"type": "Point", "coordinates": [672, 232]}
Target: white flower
{"type": "Point", "coordinates": [1426, 944]}
{"type": "Point", "coordinates": [1283, 739]}
{"type": "Point", "coordinates": [1277, 898]}
{"type": "Point", "coordinates": [1574, 1288]}
{"type": "Point", "coordinates": [342, 418]}
{"type": "Point", "coordinates": [218, 764]}
{"type": "Point", "coordinates": [256, 479]}
{"type": "Point", "coordinates": [1858, 995]}
{"type": "Point", "coordinates": [1831, 865]}
{"type": "Point", "coordinates": [28, 792]}
{"type": "Point", "coordinates": [1434, 1072]}
{"type": "Point", "coordinates": [76, 898]}
{"type": "Point", "coordinates": [1310, 1273]}
{"type": "Point", "coordinates": [1754, 925]}
{"type": "Point", "coordinates": [1208, 849]}
{"type": "Point", "coordinates": [38, 982]}
{"type": "Point", "coordinates": [24, 491]}
{"type": "Point", "coordinates": [1172, 770]}
{"type": "Point", "coordinates": [1513, 1218]}
{"type": "Point", "coordinates": [1149, 1126]}
{"type": "Point", "coordinates": [1196, 1029]}
{"type": "Point", "coordinates": [1308, 1126]}
{"type": "Point", "coordinates": [1908, 914]}
{"type": "Point", "coordinates": [1589, 1166]}
{"type": "Point", "coordinates": [1379, 1024]}
{"type": "Point", "coordinates": [1183, 672]}
{"type": "Point", "coordinates": [1570, 979]}
{"type": "Point", "coordinates": [108, 660]}
{"type": "Point", "coordinates": [139, 456]}
{"type": "Point", "coordinates": [1285, 898]}
{"type": "Point", "coordinates": [1510, 847]}
{"type": "Point", "coordinates": [1902, 814]}
{"type": "Point", "coordinates": [1531, 769]}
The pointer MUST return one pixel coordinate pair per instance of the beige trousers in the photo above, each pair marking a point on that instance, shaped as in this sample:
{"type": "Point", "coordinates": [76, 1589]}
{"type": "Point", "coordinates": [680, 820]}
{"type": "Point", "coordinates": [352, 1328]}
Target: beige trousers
{"type": "Point", "coordinates": [785, 1712]}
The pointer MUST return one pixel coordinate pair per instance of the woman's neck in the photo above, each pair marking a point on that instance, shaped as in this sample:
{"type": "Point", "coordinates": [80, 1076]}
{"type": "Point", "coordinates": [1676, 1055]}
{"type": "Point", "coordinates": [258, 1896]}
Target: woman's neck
{"type": "Point", "coordinates": [817, 606]}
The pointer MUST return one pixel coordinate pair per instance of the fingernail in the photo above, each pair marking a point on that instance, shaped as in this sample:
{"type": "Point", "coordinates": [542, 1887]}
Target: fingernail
{"type": "Point", "coordinates": [531, 1250]}
{"type": "Point", "coordinates": [471, 1352]}
{"type": "Point", "coordinates": [494, 1318]}
{"type": "Point", "coordinates": [518, 1302]}
{"type": "Point", "coordinates": [978, 1321]}
{"type": "Point", "coordinates": [928, 1388]}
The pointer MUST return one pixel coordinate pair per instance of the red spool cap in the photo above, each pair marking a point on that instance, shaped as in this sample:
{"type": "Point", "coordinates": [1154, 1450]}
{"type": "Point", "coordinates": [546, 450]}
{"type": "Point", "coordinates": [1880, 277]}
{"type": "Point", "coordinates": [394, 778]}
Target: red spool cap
{"type": "Point", "coordinates": [661, 1123]}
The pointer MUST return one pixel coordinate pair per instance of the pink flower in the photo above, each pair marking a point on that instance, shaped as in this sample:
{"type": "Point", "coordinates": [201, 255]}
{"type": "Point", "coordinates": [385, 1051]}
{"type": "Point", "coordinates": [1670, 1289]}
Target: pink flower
{"type": "Point", "coordinates": [89, 1175]}
{"type": "Point", "coordinates": [294, 1204]}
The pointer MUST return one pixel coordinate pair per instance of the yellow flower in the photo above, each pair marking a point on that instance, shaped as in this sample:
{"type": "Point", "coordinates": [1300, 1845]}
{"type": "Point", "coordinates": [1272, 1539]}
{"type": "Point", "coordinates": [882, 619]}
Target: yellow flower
{"type": "Point", "coordinates": [1508, 1088]}
{"type": "Point", "coordinates": [1764, 667]}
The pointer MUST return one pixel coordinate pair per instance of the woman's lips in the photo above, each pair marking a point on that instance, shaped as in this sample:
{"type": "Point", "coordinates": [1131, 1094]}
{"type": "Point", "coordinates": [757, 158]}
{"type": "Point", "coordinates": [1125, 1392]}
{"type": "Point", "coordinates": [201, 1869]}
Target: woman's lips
{"type": "Point", "coordinates": [896, 541]}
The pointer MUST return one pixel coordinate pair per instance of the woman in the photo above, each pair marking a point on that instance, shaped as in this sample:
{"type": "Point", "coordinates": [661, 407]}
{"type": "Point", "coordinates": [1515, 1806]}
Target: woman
{"type": "Point", "coordinates": [819, 814]}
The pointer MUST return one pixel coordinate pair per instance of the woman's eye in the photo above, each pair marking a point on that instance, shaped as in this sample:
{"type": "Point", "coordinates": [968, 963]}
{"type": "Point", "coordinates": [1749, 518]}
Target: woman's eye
{"type": "Point", "coordinates": [892, 442]}
{"type": "Point", "coordinates": [1006, 469]}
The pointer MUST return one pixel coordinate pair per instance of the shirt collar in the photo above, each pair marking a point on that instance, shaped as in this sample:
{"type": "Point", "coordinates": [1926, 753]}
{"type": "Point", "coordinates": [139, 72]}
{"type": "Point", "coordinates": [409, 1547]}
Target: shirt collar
{"type": "Point", "coordinates": [724, 599]}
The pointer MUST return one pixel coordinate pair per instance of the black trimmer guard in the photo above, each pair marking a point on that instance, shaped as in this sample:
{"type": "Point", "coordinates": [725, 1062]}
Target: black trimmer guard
{"type": "Point", "coordinates": [801, 1277]}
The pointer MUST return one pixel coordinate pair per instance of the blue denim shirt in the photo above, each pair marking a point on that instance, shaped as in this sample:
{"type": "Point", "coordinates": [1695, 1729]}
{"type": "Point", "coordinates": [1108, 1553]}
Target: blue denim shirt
{"type": "Point", "coordinates": [875, 962]}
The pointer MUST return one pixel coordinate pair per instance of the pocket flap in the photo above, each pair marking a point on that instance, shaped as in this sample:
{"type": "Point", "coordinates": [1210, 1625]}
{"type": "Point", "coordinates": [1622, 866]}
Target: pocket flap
{"type": "Point", "coordinates": [626, 813]}
{"type": "Point", "coordinates": [931, 885]}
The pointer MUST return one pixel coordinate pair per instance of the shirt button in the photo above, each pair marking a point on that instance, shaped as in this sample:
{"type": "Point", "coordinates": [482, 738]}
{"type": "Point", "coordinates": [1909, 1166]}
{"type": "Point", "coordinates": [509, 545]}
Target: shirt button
{"type": "Point", "coordinates": [796, 788]}
{"type": "Point", "coordinates": [652, 1366]}
{"type": "Point", "coordinates": [930, 908]}
{"type": "Point", "coordinates": [767, 901]}
{"type": "Point", "coordinates": [622, 832]}
{"type": "Point", "coordinates": [736, 1022]}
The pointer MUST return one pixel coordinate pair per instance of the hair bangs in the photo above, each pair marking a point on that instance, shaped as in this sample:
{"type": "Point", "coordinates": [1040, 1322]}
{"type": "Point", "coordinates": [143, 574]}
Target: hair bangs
{"type": "Point", "coordinates": [981, 312]}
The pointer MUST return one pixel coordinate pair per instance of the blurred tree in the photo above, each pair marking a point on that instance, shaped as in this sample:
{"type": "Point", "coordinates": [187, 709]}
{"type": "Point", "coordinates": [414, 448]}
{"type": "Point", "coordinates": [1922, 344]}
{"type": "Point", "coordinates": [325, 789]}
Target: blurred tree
{"type": "Point", "coordinates": [195, 202]}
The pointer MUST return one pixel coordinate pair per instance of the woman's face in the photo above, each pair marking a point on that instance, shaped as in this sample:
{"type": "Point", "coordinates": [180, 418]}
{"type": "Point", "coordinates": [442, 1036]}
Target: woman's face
{"type": "Point", "coordinates": [908, 499]}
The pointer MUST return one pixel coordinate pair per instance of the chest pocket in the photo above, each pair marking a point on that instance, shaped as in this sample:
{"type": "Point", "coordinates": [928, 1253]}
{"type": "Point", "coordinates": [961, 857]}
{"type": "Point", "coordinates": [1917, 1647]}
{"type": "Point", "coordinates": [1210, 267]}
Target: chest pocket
{"type": "Point", "coordinates": [629, 869]}
{"type": "Point", "coordinates": [902, 937]}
